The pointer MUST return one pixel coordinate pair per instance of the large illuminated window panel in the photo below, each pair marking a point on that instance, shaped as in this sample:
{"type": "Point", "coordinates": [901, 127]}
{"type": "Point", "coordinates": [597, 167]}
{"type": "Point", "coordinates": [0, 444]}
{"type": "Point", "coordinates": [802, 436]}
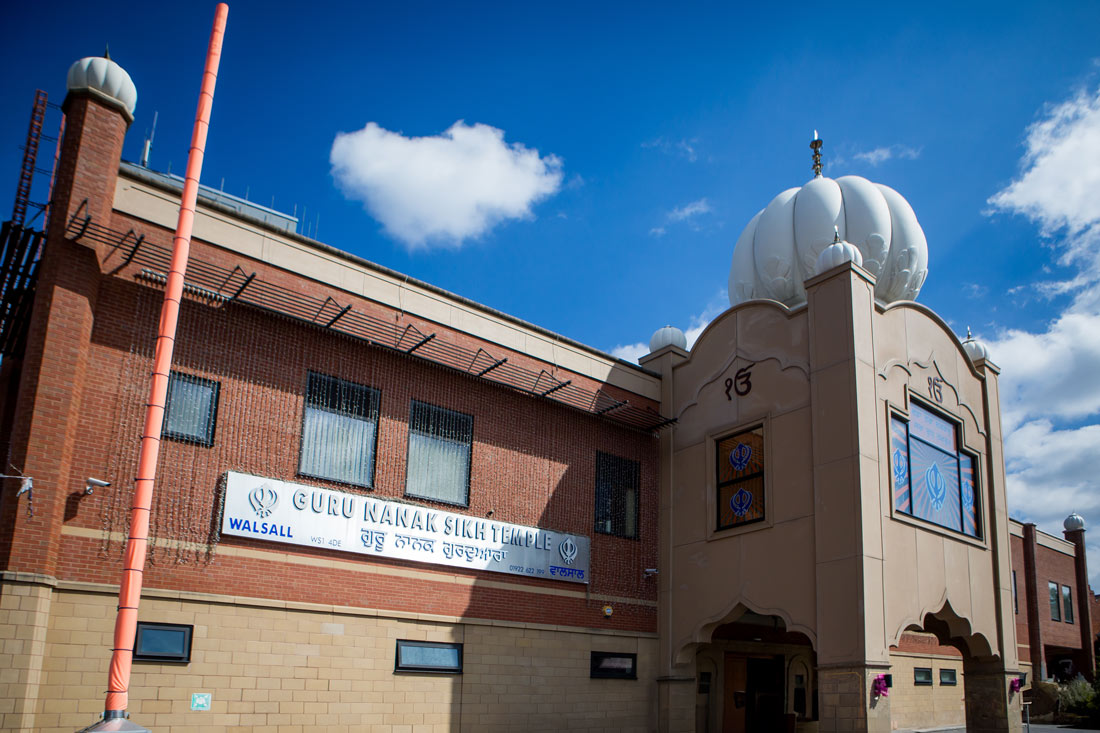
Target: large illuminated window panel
{"type": "Point", "coordinates": [933, 479]}
{"type": "Point", "coordinates": [740, 479]}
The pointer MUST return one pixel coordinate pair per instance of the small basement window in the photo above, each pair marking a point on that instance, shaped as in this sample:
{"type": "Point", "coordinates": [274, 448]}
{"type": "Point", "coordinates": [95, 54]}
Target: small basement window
{"type": "Point", "coordinates": [922, 676]}
{"type": "Point", "coordinates": [162, 642]}
{"type": "Point", "coordinates": [949, 677]}
{"type": "Point", "coordinates": [428, 656]}
{"type": "Point", "coordinates": [614, 665]}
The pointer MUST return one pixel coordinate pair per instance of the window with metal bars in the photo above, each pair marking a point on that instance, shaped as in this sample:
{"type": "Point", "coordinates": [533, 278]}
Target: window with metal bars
{"type": "Point", "coordinates": [339, 431]}
{"type": "Point", "coordinates": [191, 411]}
{"type": "Point", "coordinates": [617, 481]}
{"type": "Point", "coordinates": [440, 449]}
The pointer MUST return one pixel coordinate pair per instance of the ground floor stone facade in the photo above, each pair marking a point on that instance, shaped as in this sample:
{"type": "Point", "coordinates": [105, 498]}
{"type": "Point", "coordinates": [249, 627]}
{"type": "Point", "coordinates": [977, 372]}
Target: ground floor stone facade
{"type": "Point", "coordinates": [273, 666]}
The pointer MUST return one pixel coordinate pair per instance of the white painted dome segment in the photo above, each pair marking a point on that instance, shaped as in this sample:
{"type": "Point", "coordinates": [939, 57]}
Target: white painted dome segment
{"type": "Point", "coordinates": [667, 336]}
{"type": "Point", "coordinates": [1074, 522]}
{"type": "Point", "coordinates": [781, 246]}
{"type": "Point", "coordinates": [975, 349]}
{"type": "Point", "coordinates": [837, 253]}
{"type": "Point", "coordinates": [818, 217]}
{"type": "Point", "coordinates": [907, 261]}
{"type": "Point", "coordinates": [106, 77]}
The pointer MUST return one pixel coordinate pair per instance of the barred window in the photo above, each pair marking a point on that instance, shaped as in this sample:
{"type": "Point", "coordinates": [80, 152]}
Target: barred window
{"type": "Point", "coordinates": [740, 478]}
{"type": "Point", "coordinates": [617, 481]}
{"type": "Point", "coordinates": [440, 443]}
{"type": "Point", "coordinates": [191, 410]}
{"type": "Point", "coordinates": [339, 431]}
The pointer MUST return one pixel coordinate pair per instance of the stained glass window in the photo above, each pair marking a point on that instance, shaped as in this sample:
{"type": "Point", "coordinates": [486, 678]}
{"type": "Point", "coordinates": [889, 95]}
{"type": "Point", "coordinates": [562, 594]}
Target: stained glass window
{"type": "Point", "coordinates": [932, 479]}
{"type": "Point", "coordinates": [740, 478]}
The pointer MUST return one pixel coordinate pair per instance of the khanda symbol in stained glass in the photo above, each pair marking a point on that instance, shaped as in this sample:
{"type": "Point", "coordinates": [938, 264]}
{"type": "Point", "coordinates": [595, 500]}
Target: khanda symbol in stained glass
{"type": "Point", "coordinates": [739, 457]}
{"type": "Point", "coordinates": [937, 486]}
{"type": "Point", "coordinates": [901, 468]}
{"type": "Point", "coordinates": [740, 502]}
{"type": "Point", "coordinates": [968, 495]}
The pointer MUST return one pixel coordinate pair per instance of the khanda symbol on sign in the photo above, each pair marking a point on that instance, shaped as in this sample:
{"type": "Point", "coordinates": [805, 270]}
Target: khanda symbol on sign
{"type": "Point", "coordinates": [263, 499]}
{"type": "Point", "coordinates": [568, 550]}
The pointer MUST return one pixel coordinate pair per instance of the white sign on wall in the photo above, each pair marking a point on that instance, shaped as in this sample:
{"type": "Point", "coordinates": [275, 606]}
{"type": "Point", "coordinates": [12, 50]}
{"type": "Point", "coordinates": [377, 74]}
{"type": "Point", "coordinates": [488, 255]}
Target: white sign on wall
{"type": "Point", "coordinates": [279, 511]}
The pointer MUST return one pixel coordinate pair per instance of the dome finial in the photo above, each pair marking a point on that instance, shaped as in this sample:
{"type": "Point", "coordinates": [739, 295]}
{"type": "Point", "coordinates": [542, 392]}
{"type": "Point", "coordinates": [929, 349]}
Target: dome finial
{"type": "Point", "coordinates": [836, 234]}
{"type": "Point", "coordinates": [107, 51]}
{"type": "Point", "coordinates": [969, 337]}
{"type": "Point", "coordinates": [815, 145]}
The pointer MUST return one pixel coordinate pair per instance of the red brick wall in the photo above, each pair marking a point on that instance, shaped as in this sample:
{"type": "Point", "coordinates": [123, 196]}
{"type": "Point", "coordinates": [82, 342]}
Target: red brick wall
{"type": "Point", "coordinates": [533, 461]}
{"type": "Point", "coordinates": [921, 643]}
{"type": "Point", "coordinates": [1052, 565]}
{"type": "Point", "coordinates": [84, 388]}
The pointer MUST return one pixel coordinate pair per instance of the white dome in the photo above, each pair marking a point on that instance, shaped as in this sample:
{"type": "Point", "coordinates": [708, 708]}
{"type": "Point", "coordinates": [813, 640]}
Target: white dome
{"type": "Point", "coordinates": [669, 335]}
{"type": "Point", "coordinates": [975, 349]}
{"type": "Point", "coordinates": [1074, 522]}
{"type": "Point", "coordinates": [106, 77]}
{"type": "Point", "coordinates": [779, 248]}
{"type": "Point", "coordinates": [836, 253]}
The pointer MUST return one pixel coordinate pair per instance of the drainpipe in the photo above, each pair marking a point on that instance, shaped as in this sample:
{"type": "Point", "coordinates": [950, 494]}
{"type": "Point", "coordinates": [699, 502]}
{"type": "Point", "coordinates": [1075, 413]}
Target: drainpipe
{"type": "Point", "coordinates": [129, 594]}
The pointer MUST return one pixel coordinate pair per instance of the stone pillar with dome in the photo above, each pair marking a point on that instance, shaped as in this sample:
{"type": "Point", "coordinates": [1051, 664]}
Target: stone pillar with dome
{"type": "Point", "coordinates": [833, 482]}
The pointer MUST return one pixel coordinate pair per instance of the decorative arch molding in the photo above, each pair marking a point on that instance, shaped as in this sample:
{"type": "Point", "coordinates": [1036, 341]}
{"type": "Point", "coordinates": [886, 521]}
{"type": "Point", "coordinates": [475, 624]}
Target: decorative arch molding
{"type": "Point", "coordinates": [952, 623]}
{"type": "Point", "coordinates": [931, 363]}
{"type": "Point", "coordinates": [704, 632]}
{"type": "Point", "coordinates": [935, 318]}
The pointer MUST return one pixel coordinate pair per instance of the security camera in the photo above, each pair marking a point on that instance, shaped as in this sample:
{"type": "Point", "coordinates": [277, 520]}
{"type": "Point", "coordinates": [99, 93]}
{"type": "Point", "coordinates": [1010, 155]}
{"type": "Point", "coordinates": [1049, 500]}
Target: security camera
{"type": "Point", "coordinates": [95, 482]}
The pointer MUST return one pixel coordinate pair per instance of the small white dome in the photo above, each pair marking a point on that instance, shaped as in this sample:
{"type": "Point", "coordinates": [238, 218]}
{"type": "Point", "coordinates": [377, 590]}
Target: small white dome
{"type": "Point", "coordinates": [836, 253]}
{"type": "Point", "coordinates": [975, 349]}
{"type": "Point", "coordinates": [778, 250]}
{"type": "Point", "coordinates": [1074, 522]}
{"type": "Point", "coordinates": [106, 77]}
{"type": "Point", "coordinates": [667, 336]}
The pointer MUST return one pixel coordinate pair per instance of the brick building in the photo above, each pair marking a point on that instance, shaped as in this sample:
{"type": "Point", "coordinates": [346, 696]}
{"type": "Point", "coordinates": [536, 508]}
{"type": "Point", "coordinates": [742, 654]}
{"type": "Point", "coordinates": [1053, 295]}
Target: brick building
{"type": "Point", "coordinates": [382, 506]}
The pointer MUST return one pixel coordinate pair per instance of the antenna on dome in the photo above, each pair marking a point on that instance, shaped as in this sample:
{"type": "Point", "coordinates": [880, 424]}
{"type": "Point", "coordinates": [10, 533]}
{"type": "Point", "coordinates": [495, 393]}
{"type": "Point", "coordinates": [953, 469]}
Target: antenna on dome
{"type": "Point", "coordinates": [815, 145]}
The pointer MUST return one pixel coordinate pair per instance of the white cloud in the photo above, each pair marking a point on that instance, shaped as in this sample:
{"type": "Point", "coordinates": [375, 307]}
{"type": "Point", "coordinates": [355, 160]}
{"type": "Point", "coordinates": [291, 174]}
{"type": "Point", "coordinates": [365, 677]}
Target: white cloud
{"type": "Point", "coordinates": [1050, 384]}
{"type": "Point", "coordinates": [696, 325]}
{"type": "Point", "coordinates": [444, 189]}
{"type": "Point", "coordinates": [690, 211]}
{"type": "Point", "coordinates": [880, 155]}
{"type": "Point", "coordinates": [1057, 188]}
{"type": "Point", "coordinates": [683, 148]}
{"type": "Point", "coordinates": [630, 352]}
{"type": "Point", "coordinates": [657, 232]}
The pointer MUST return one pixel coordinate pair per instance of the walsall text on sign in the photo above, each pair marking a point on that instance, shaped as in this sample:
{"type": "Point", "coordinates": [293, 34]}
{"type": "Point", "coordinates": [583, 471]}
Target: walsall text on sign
{"type": "Point", "coordinates": [279, 511]}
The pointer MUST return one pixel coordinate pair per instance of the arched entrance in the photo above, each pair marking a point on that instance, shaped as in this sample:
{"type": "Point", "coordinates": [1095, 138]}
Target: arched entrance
{"type": "Point", "coordinates": [944, 674]}
{"type": "Point", "coordinates": [754, 676]}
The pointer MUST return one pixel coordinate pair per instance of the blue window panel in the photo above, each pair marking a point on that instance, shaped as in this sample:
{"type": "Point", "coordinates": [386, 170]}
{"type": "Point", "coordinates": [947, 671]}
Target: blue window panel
{"type": "Point", "coordinates": [935, 486]}
{"type": "Point", "coordinates": [899, 464]}
{"type": "Point", "coordinates": [932, 428]}
{"type": "Point", "coordinates": [969, 500]}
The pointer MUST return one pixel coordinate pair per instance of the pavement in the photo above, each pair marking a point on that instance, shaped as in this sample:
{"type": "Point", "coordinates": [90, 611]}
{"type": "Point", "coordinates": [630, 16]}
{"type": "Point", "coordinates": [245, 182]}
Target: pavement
{"type": "Point", "coordinates": [1035, 728]}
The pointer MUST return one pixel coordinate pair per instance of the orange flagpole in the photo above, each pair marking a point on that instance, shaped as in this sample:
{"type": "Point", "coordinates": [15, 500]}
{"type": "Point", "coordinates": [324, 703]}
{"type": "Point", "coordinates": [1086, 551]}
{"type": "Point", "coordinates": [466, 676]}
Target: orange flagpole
{"type": "Point", "coordinates": [129, 594]}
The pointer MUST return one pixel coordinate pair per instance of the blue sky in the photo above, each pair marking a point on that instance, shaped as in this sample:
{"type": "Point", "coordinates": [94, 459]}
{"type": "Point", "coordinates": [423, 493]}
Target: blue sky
{"type": "Point", "coordinates": [607, 158]}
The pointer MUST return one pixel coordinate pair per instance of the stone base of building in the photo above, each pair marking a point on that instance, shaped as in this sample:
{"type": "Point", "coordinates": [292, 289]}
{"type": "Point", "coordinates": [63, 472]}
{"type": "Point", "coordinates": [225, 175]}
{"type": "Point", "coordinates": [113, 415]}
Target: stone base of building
{"type": "Point", "coordinates": [293, 666]}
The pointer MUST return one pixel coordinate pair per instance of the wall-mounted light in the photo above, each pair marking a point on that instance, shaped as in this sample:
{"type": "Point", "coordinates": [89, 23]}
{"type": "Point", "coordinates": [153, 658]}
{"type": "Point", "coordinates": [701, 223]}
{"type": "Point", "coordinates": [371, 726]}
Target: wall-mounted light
{"type": "Point", "coordinates": [880, 687]}
{"type": "Point", "coordinates": [607, 611]}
